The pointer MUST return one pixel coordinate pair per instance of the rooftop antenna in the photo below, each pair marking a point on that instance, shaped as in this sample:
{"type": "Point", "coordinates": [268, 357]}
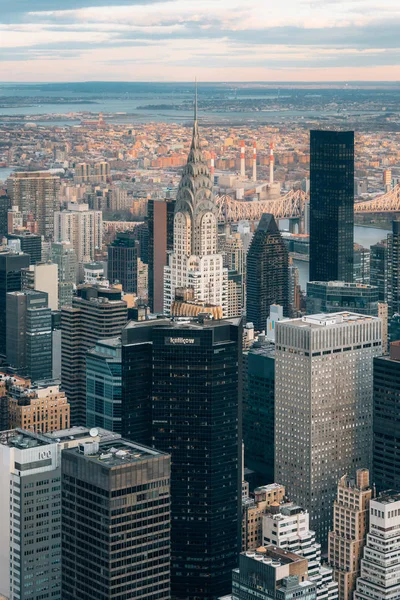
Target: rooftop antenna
{"type": "Point", "coordinates": [195, 99]}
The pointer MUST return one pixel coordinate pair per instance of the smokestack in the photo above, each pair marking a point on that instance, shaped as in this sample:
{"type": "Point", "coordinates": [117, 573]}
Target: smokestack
{"type": "Point", "coordinates": [255, 161]}
{"type": "Point", "coordinates": [271, 163]}
{"type": "Point", "coordinates": [212, 171]}
{"type": "Point", "coordinates": [242, 160]}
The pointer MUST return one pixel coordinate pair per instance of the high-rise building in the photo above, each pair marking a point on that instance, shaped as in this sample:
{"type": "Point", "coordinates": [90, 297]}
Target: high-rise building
{"type": "Point", "coordinates": [253, 510]}
{"type": "Point", "coordinates": [379, 269]}
{"type": "Point", "coordinates": [36, 193]}
{"type": "Point", "coordinates": [267, 273]}
{"type": "Point", "coordinates": [196, 390]}
{"type": "Point", "coordinates": [123, 262]}
{"type": "Point", "coordinates": [259, 410]}
{"type": "Point", "coordinates": [331, 205]}
{"type": "Point", "coordinates": [386, 455]}
{"type": "Point", "coordinates": [96, 313]}
{"type": "Point", "coordinates": [11, 264]}
{"type": "Point", "coordinates": [116, 522]}
{"type": "Point", "coordinates": [337, 296]}
{"type": "Point", "coordinates": [64, 256]}
{"type": "Point", "coordinates": [361, 264]}
{"type": "Point", "coordinates": [103, 385]}
{"type": "Point", "coordinates": [80, 226]}
{"type": "Point", "coordinates": [42, 277]}
{"type": "Point", "coordinates": [30, 243]}
{"type": "Point", "coordinates": [30, 504]}
{"type": "Point", "coordinates": [350, 526]}
{"type": "Point", "coordinates": [41, 409]}
{"type": "Point", "coordinates": [271, 573]}
{"type": "Point", "coordinates": [195, 262]}
{"type": "Point", "coordinates": [4, 207]}
{"type": "Point", "coordinates": [160, 222]}
{"type": "Point", "coordinates": [393, 276]}
{"type": "Point", "coordinates": [288, 526]}
{"type": "Point", "coordinates": [29, 334]}
{"type": "Point", "coordinates": [380, 565]}
{"type": "Point", "coordinates": [323, 406]}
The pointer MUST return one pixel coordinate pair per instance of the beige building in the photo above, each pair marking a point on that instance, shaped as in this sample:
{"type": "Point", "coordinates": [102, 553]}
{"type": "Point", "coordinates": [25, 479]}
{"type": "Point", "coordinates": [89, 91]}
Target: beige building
{"type": "Point", "coordinates": [42, 277]}
{"type": "Point", "coordinates": [41, 409]}
{"type": "Point", "coordinates": [350, 527]}
{"type": "Point", "coordinates": [253, 510]}
{"type": "Point", "coordinates": [80, 226]}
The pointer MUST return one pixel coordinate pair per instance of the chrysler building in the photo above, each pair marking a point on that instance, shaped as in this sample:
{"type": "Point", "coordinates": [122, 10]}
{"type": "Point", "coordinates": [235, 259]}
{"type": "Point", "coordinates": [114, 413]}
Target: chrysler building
{"type": "Point", "coordinates": [194, 262]}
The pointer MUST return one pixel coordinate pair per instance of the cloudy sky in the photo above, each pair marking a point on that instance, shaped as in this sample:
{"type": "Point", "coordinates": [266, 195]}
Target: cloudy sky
{"type": "Point", "coordinates": [215, 40]}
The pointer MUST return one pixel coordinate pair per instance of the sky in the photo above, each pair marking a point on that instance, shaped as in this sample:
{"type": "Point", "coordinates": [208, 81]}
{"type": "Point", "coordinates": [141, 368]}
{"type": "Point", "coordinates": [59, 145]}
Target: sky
{"type": "Point", "coordinates": [213, 40]}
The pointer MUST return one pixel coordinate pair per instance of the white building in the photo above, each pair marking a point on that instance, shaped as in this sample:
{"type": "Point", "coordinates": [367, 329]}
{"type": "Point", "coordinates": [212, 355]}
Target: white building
{"type": "Point", "coordinates": [30, 527]}
{"type": "Point", "coordinates": [194, 261]}
{"type": "Point", "coordinates": [80, 226]}
{"type": "Point", "coordinates": [42, 277]}
{"type": "Point", "coordinates": [287, 526]}
{"type": "Point", "coordinates": [380, 567]}
{"type": "Point", "coordinates": [323, 406]}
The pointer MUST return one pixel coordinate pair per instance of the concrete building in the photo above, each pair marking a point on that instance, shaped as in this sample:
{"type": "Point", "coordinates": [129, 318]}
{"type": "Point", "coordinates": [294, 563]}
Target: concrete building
{"type": "Point", "coordinates": [337, 296]}
{"type": "Point", "coordinates": [133, 484]}
{"type": "Point", "coordinates": [64, 256]}
{"type": "Point", "coordinates": [103, 385]}
{"type": "Point", "coordinates": [195, 262]}
{"type": "Point", "coordinates": [386, 435]}
{"type": "Point", "coordinates": [350, 526]}
{"type": "Point", "coordinates": [271, 573]}
{"type": "Point", "coordinates": [323, 406]}
{"type": "Point", "coordinates": [36, 193]}
{"type": "Point", "coordinates": [41, 408]}
{"type": "Point", "coordinates": [288, 526]}
{"type": "Point", "coordinates": [30, 529]}
{"type": "Point", "coordinates": [253, 509]}
{"type": "Point", "coordinates": [82, 227]}
{"type": "Point", "coordinates": [29, 334]}
{"type": "Point", "coordinates": [42, 277]}
{"type": "Point", "coordinates": [380, 565]}
{"type": "Point", "coordinates": [96, 313]}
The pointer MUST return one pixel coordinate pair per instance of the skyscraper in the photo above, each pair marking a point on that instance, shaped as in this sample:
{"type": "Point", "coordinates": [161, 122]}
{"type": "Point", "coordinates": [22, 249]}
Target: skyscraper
{"type": "Point", "coordinates": [393, 276]}
{"type": "Point", "coordinates": [195, 262]}
{"type": "Point", "coordinates": [64, 256]}
{"type": "Point", "coordinates": [350, 526]}
{"type": "Point", "coordinates": [386, 455]}
{"type": "Point", "coordinates": [11, 264]}
{"type": "Point", "coordinates": [116, 522]}
{"type": "Point", "coordinates": [267, 273]}
{"type": "Point", "coordinates": [338, 296]}
{"type": "Point", "coordinates": [95, 314]}
{"type": "Point", "coordinates": [379, 269]}
{"type": "Point", "coordinates": [323, 406]}
{"type": "Point", "coordinates": [30, 243]}
{"type": "Point", "coordinates": [80, 226]}
{"type": "Point", "coordinates": [30, 504]}
{"type": "Point", "coordinates": [380, 565]}
{"type": "Point", "coordinates": [29, 334]}
{"type": "Point", "coordinates": [123, 261]}
{"type": "Point", "coordinates": [42, 277]}
{"type": "Point", "coordinates": [196, 418]}
{"type": "Point", "coordinates": [160, 220]}
{"type": "Point", "coordinates": [331, 205]}
{"type": "Point", "coordinates": [36, 193]}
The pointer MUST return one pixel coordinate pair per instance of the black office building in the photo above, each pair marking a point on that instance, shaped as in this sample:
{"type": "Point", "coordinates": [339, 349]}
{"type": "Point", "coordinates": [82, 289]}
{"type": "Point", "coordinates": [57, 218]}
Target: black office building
{"type": "Point", "coordinates": [259, 411]}
{"type": "Point", "coordinates": [11, 264]}
{"type": "Point", "coordinates": [30, 243]}
{"type": "Point", "coordinates": [123, 261]}
{"type": "Point", "coordinates": [379, 269]}
{"type": "Point", "coordinates": [196, 419]}
{"type": "Point", "coordinates": [4, 208]}
{"type": "Point", "coordinates": [267, 273]}
{"type": "Point", "coordinates": [393, 274]}
{"type": "Point", "coordinates": [331, 205]}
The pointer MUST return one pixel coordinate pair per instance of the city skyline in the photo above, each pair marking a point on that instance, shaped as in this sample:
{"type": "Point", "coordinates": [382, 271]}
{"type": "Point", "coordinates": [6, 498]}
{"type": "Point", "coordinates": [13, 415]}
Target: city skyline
{"type": "Point", "coordinates": [153, 40]}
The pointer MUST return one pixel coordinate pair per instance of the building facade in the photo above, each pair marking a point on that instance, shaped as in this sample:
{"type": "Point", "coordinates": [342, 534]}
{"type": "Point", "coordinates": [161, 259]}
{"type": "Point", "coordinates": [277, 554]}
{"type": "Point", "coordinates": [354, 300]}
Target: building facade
{"type": "Point", "coordinates": [337, 296]}
{"type": "Point", "coordinates": [160, 221]}
{"type": "Point", "coordinates": [331, 205]}
{"type": "Point", "coordinates": [123, 262]}
{"type": "Point", "coordinates": [11, 264]}
{"type": "Point", "coordinates": [64, 256]}
{"type": "Point", "coordinates": [350, 526]}
{"type": "Point", "coordinates": [323, 406]}
{"type": "Point", "coordinates": [116, 522]}
{"type": "Point", "coordinates": [82, 227]}
{"type": "Point", "coordinates": [195, 262]}
{"type": "Point", "coordinates": [42, 277]}
{"type": "Point", "coordinates": [393, 273]}
{"type": "Point", "coordinates": [30, 243]}
{"type": "Point", "coordinates": [380, 565]}
{"type": "Point", "coordinates": [41, 409]}
{"type": "Point", "coordinates": [267, 273]}
{"type": "Point", "coordinates": [379, 269]}
{"type": "Point", "coordinates": [253, 510]}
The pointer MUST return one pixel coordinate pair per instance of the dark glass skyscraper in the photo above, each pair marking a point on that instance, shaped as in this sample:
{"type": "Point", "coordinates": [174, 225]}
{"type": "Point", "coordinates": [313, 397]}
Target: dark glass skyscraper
{"type": "Point", "coordinates": [393, 276]}
{"type": "Point", "coordinates": [11, 264]}
{"type": "Point", "coordinates": [123, 261]}
{"type": "Point", "coordinates": [196, 418]}
{"type": "Point", "coordinates": [379, 269]}
{"type": "Point", "coordinates": [386, 455]}
{"type": "Point", "coordinates": [267, 273]}
{"type": "Point", "coordinates": [331, 205]}
{"type": "Point", "coordinates": [30, 244]}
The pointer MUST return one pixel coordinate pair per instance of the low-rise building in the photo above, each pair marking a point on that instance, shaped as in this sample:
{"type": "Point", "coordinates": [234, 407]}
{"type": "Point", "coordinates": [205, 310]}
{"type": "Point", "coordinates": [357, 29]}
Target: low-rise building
{"type": "Point", "coordinates": [253, 510]}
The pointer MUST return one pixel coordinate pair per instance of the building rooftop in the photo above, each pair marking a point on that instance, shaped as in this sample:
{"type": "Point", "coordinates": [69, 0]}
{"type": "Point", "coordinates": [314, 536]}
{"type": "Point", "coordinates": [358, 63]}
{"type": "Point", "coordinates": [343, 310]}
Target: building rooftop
{"type": "Point", "coordinates": [115, 453]}
{"type": "Point", "coordinates": [80, 432]}
{"type": "Point", "coordinates": [388, 497]}
{"type": "Point", "coordinates": [328, 320]}
{"type": "Point", "coordinates": [22, 439]}
{"type": "Point", "coordinates": [343, 284]}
